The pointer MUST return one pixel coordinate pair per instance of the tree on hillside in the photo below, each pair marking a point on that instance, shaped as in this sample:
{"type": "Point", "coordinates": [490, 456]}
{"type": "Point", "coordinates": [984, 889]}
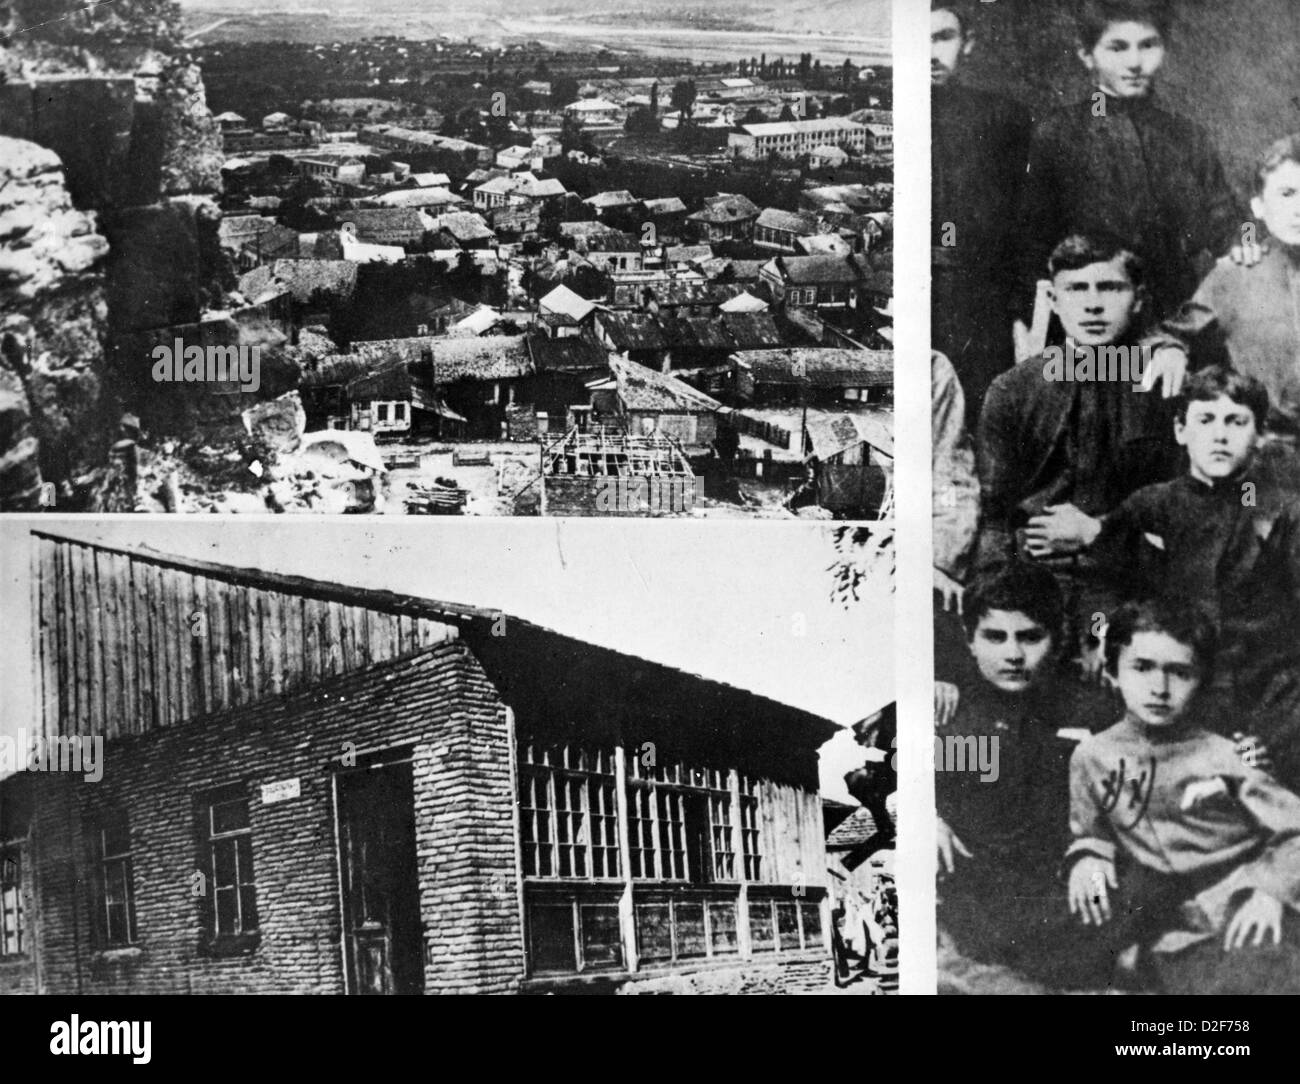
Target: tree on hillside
{"type": "Point", "coordinates": [564, 89]}
{"type": "Point", "coordinates": [571, 137]}
{"type": "Point", "coordinates": [683, 99]}
{"type": "Point", "coordinates": [641, 121]}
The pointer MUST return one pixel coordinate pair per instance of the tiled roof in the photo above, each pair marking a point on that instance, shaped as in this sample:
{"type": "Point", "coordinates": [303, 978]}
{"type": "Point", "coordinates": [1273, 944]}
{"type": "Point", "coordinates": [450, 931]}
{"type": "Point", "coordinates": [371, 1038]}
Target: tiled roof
{"type": "Point", "coordinates": [753, 330]}
{"type": "Point", "coordinates": [620, 198]}
{"type": "Point", "coordinates": [572, 354]}
{"type": "Point", "coordinates": [812, 270]}
{"type": "Point", "coordinates": [640, 388]}
{"type": "Point", "coordinates": [612, 241]}
{"type": "Point", "coordinates": [632, 330]}
{"type": "Point", "coordinates": [853, 832]}
{"type": "Point", "coordinates": [726, 208]}
{"type": "Point", "coordinates": [465, 226]}
{"type": "Point", "coordinates": [302, 278]}
{"type": "Point", "coordinates": [487, 357]}
{"type": "Point", "coordinates": [821, 367]}
{"type": "Point", "coordinates": [700, 332]}
{"type": "Point", "coordinates": [774, 218]}
{"type": "Point", "coordinates": [671, 205]}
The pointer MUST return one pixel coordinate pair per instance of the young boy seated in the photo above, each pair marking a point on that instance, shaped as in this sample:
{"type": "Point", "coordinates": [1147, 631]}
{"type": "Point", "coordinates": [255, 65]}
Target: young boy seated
{"type": "Point", "coordinates": [1202, 848]}
{"type": "Point", "coordinates": [1249, 312]}
{"type": "Point", "coordinates": [1054, 448]}
{"type": "Point", "coordinates": [1002, 786]}
{"type": "Point", "coordinates": [1227, 532]}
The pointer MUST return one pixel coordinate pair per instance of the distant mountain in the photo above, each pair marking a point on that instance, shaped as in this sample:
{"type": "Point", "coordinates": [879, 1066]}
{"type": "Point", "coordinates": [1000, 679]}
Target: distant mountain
{"type": "Point", "coordinates": [869, 18]}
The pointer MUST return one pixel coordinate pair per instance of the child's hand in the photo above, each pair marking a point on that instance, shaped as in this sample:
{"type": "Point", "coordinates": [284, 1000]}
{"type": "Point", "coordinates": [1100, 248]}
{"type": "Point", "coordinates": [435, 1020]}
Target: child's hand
{"type": "Point", "coordinates": [1089, 880]}
{"type": "Point", "coordinates": [1062, 529]}
{"type": "Point", "coordinates": [949, 847]}
{"type": "Point", "coordinates": [946, 697]}
{"type": "Point", "coordinates": [1248, 253]}
{"type": "Point", "coordinates": [1256, 920]}
{"type": "Point", "coordinates": [1253, 752]}
{"type": "Point", "coordinates": [950, 591]}
{"type": "Point", "coordinates": [1168, 368]}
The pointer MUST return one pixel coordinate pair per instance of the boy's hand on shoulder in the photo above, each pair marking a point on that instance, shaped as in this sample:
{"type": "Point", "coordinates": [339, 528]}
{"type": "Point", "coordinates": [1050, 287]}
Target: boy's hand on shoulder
{"type": "Point", "coordinates": [1248, 253]}
{"type": "Point", "coordinates": [950, 591]}
{"type": "Point", "coordinates": [1090, 879]}
{"type": "Point", "coordinates": [1168, 368]}
{"type": "Point", "coordinates": [1062, 529]}
{"type": "Point", "coordinates": [949, 847]}
{"type": "Point", "coordinates": [1257, 921]}
{"type": "Point", "coordinates": [946, 698]}
{"type": "Point", "coordinates": [1253, 752]}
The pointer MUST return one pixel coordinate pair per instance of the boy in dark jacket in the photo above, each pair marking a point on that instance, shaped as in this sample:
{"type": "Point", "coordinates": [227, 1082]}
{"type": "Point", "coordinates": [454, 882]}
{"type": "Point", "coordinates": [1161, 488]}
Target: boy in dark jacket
{"type": "Point", "coordinates": [1119, 164]}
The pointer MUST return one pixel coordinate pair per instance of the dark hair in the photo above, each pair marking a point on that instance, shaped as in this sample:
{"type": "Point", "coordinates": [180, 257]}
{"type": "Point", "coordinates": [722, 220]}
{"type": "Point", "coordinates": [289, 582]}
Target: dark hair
{"type": "Point", "coordinates": [1209, 383]}
{"type": "Point", "coordinates": [1015, 587]}
{"type": "Point", "coordinates": [964, 10]}
{"type": "Point", "coordinates": [1189, 623]}
{"type": "Point", "coordinates": [1079, 251]}
{"type": "Point", "coordinates": [1093, 17]}
{"type": "Point", "coordinates": [1286, 149]}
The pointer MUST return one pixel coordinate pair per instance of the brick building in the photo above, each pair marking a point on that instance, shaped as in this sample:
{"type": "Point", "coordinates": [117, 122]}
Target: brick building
{"type": "Point", "coordinates": [315, 788]}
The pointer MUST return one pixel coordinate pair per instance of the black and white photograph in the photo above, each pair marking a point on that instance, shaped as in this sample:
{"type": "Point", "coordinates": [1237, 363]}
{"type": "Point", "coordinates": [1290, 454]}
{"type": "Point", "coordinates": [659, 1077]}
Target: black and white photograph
{"type": "Point", "coordinates": [570, 757]}
{"type": "Point", "coordinates": [1115, 240]}
{"type": "Point", "coordinates": [506, 259]}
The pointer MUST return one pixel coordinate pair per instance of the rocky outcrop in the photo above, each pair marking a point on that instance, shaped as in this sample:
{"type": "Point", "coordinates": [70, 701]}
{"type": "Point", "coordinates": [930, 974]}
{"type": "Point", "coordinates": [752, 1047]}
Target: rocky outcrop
{"type": "Point", "coordinates": [52, 301]}
{"type": "Point", "coordinates": [109, 158]}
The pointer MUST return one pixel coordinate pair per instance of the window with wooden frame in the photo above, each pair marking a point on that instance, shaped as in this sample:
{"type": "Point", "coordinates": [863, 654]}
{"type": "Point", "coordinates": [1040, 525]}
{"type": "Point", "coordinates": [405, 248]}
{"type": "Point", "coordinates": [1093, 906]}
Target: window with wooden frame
{"type": "Point", "coordinates": [786, 923]}
{"type": "Point", "coordinates": [11, 900]}
{"type": "Point", "coordinates": [573, 928]}
{"type": "Point", "coordinates": [691, 925]}
{"type": "Point", "coordinates": [679, 823]}
{"type": "Point", "coordinates": [113, 919]}
{"type": "Point", "coordinates": [568, 812]}
{"type": "Point", "coordinates": [226, 861]}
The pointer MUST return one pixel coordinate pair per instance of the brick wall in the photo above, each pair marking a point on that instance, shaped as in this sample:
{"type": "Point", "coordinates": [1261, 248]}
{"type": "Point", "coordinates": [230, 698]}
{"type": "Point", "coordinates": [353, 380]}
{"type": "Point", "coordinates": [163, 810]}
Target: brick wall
{"type": "Point", "coordinates": [439, 701]}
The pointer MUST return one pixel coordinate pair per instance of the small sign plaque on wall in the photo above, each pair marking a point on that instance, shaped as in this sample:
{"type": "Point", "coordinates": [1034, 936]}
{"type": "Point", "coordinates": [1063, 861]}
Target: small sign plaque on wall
{"type": "Point", "coordinates": [281, 792]}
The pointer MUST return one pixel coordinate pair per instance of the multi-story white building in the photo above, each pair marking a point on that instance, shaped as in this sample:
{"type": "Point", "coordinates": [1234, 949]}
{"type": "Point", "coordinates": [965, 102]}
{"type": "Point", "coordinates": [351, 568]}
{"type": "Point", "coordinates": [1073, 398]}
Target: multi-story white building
{"type": "Point", "coordinates": [790, 139]}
